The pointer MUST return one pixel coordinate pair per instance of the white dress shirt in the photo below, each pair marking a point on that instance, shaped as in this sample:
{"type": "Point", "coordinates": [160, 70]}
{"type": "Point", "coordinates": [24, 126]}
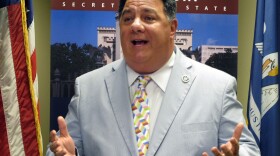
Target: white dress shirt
{"type": "Point", "coordinates": [155, 89]}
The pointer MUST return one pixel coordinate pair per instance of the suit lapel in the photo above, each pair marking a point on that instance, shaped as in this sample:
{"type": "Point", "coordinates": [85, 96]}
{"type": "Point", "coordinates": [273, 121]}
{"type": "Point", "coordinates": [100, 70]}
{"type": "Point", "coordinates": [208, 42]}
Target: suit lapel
{"type": "Point", "coordinates": [118, 91]}
{"type": "Point", "coordinates": [180, 82]}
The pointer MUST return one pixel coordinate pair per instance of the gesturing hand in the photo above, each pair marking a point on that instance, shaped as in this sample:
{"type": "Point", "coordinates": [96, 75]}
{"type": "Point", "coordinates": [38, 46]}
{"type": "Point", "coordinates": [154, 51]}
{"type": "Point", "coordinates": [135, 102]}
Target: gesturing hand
{"type": "Point", "coordinates": [64, 144]}
{"type": "Point", "coordinates": [231, 148]}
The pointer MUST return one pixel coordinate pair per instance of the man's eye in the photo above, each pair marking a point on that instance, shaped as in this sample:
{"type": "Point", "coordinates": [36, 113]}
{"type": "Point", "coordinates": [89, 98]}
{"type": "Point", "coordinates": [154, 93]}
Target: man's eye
{"type": "Point", "coordinates": [127, 19]}
{"type": "Point", "coordinates": [149, 19]}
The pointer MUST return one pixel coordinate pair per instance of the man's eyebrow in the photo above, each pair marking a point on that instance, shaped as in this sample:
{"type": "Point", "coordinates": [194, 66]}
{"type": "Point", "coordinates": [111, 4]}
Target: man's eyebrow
{"type": "Point", "coordinates": [126, 11]}
{"type": "Point", "coordinates": [145, 10]}
{"type": "Point", "coordinates": [149, 10]}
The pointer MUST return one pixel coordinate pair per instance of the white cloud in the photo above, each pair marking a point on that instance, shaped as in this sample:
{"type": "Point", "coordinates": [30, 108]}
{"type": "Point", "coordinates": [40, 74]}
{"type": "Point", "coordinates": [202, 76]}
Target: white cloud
{"type": "Point", "coordinates": [211, 41]}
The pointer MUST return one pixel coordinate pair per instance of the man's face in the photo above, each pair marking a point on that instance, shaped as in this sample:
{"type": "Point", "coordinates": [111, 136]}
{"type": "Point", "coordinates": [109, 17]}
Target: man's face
{"type": "Point", "coordinates": [146, 35]}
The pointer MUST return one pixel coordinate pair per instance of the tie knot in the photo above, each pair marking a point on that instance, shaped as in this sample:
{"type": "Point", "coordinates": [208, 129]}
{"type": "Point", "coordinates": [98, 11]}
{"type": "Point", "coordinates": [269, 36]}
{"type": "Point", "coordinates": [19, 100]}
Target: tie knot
{"type": "Point", "coordinates": [143, 81]}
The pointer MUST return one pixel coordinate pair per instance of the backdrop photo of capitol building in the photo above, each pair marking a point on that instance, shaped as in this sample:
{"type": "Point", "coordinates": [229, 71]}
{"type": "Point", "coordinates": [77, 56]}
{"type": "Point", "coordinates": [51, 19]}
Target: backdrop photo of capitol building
{"type": "Point", "coordinates": [84, 40]}
{"type": "Point", "coordinates": [108, 37]}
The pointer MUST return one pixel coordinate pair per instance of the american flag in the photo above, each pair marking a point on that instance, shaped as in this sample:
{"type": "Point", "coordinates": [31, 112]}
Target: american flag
{"type": "Point", "coordinates": [20, 132]}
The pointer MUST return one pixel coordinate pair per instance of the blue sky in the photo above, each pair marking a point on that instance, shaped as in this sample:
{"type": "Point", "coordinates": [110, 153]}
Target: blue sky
{"type": "Point", "coordinates": [81, 27]}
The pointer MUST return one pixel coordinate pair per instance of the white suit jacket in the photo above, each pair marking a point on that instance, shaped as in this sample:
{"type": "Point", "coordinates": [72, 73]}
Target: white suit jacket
{"type": "Point", "coordinates": [199, 111]}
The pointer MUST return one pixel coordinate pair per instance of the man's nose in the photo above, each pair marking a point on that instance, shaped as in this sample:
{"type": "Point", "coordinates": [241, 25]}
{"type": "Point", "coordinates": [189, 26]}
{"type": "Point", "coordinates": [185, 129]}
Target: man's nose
{"type": "Point", "coordinates": [137, 26]}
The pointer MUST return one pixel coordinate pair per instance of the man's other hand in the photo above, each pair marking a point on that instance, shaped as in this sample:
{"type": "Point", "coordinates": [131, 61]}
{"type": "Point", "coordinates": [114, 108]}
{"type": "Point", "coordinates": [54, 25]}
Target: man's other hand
{"type": "Point", "coordinates": [62, 145]}
{"type": "Point", "coordinates": [231, 148]}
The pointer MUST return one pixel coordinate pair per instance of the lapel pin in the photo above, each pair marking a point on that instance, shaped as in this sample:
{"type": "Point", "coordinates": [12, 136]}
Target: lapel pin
{"type": "Point", "coordinates": [185, 79]}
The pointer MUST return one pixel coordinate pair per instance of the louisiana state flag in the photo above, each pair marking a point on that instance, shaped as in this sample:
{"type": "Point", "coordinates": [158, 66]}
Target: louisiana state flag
{"type": "Point", "coordinates": [20, 133]}
{"type": "Point", "coordinates": [263, 103]}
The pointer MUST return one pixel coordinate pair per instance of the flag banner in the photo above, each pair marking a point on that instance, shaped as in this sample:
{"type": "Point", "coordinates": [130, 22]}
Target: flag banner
{"type": "Point", "coordinates": [85, 36]}
{"type": "Point", "coordinates": [263, 102]}
{"type": "Point", "coordinates": [20, 132]}
{"type": "Point", "coordinates": [183, 6]}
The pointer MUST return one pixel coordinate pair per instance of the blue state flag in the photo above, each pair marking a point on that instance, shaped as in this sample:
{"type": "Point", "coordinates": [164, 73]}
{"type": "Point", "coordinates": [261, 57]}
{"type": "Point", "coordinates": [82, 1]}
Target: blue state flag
{"type": "Point", "coordinates": [263, 103]}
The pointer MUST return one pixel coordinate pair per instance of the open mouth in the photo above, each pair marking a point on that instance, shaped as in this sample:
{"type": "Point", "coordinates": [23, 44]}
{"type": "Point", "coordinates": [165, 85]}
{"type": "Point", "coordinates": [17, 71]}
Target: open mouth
{"type": "Point", "coordinates": [139, 42]}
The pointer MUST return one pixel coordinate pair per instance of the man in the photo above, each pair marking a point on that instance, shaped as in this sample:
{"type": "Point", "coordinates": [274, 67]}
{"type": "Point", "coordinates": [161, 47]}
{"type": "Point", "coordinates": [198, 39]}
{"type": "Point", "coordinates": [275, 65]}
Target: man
{"type": "Point", "coordinates": [192, 108]}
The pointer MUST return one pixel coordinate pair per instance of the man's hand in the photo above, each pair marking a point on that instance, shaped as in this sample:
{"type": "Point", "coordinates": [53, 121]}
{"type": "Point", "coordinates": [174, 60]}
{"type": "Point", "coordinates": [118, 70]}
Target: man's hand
{"type": "Point", "coordinates": [231, 148]}
{"type": "Point", "coordinates": [64, 144]}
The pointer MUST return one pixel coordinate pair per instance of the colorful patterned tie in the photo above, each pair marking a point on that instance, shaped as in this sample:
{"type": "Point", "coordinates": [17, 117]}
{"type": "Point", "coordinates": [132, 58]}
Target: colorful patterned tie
{"type": "Point", "coordinates": [141, 115]}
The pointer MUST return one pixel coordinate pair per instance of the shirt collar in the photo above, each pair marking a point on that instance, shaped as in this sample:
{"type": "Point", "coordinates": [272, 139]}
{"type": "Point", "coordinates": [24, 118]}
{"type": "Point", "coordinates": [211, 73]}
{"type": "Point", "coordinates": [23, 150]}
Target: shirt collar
{"type": "Point", "coordinates": [160, 77]}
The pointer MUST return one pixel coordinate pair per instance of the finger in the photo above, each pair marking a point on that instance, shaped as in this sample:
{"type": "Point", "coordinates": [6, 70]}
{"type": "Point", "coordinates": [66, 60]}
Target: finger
{"type": "Point", "coordinates": [57, 148]}
{"type": "Point", "coordinates": [235, 146]}
{"type": "Point", "coordinates": [237, 131]}
{"type": "Point", "coordinates": [53, 146]}
{"type": "Point", "coordinates": [216, 151]}
{"type": "Point", "coordinates": [62, 126]}
{"type": "Point", "coordinates": [225, 149]}
{"type": "Point", "coordinates": [204, 154]}
{"type": "Point", "coordinates": [60, 153]}
{"type": "Point", "coordinates": [53, 136]}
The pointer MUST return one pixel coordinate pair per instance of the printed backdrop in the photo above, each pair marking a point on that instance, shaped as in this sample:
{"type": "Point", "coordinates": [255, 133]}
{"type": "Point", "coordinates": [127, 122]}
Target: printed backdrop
{"type": "Point", "coordinates": [85, 36]}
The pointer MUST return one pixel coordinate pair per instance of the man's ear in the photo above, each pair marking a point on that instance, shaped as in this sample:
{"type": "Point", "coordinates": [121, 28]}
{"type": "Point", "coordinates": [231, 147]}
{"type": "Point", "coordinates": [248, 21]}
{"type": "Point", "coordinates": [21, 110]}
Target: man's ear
{"type": "Point", "coordinates": [173, 27]}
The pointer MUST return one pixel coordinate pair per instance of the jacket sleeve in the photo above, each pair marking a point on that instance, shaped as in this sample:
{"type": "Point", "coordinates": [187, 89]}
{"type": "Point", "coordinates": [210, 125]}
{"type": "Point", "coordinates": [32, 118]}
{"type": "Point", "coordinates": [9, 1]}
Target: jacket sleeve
{"type": "Point", "coordinates": [232, 113]}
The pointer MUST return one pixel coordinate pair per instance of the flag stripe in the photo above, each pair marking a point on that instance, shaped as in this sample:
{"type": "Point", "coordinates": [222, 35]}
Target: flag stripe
{"type": "Point", "coordinates": [33, 141]}
{"type": "Point", "coordinates": [23, 95]}
{"type": "Point", "coordinates": [33, 64]}
{"type": "Point", "coordinates": [8, 79]}
{"type": "Point", "coordinates": [4, 150]}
